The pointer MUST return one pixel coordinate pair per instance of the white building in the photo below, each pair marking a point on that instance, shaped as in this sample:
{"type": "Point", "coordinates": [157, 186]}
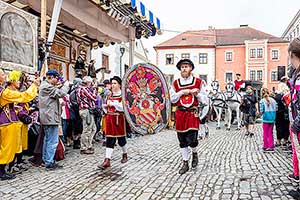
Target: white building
{"type": "Point", "coordinates": [116, 63]}
{"type": "Point", "coordinates": [198, 46]}
{"type": "Point", "coordinates": [292, 31]}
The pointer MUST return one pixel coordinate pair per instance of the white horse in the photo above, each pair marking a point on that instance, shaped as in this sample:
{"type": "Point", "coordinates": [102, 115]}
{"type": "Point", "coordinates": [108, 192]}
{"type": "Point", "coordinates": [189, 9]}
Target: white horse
{"type": "Point", "coordinates": [217, 101]}
{"type": "Point", "coordinates": [233, 100]}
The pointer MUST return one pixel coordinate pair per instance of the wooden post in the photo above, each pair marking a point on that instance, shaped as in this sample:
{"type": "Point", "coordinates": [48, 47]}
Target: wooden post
{"type": "Point", "coordinates": [44, 33]}
{"type": "Point", "coordinates": [43, 19]}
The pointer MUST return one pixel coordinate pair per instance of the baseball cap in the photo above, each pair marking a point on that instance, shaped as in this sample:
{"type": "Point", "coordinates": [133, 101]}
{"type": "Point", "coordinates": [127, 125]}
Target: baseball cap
{"type": "Point", "coordinates": [53, 72]}
{"type": "Point", "coordinates": [87, 79]}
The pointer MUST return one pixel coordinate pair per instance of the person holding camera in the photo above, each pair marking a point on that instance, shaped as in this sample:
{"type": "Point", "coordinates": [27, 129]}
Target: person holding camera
{"type": "Point", "coordinates": [87, 95]}
{"type": "Point", "coordinates": [14, 83]}
{"type": "Point", "coordinates": [9, 126]}
{"type": "Point", "coordinates": [51, 90]}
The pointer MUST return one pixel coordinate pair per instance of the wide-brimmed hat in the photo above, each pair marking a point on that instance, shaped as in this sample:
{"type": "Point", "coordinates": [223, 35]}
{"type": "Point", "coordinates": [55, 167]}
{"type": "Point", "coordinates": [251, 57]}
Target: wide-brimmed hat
{"type": "Point", "coordinates": [185, 61]}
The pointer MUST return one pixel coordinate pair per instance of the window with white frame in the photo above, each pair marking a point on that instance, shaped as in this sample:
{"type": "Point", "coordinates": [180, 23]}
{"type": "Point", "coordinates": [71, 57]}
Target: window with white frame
{"type": "Point", "coordinates": [252, 53]}
{"type": "Point", "coordinates": [274, 54]}
{"type": "Point", "coordinates": [259, 75]}
{"type": "Point", "coordinates": [185, 56]}
{"type": "Point", "coordinates": [228, 56]}
{"type": "Point", "coordinates": [202, 58]}
{"type": "Point", "coordinates": [169, 59]}
{"type": "Point", "coordinates": [228, 76]}
{"type": "Point", "coordinates": [256, 75]}
{"type": "Point", "coordinates": [273, 75]}
{"type": "Point", "coordinates": [252, 75]}
{"type": "Point", "coordinates": [259, 53]}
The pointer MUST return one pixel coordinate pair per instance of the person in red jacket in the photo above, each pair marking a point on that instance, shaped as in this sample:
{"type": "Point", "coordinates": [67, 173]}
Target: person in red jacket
{"type": "Point", "coordinates": [239, 82]}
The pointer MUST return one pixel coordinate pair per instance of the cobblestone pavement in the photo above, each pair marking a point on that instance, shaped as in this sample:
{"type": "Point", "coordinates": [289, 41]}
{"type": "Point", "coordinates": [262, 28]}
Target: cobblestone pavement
{"type": "Point", "coordinates": [231, 167]}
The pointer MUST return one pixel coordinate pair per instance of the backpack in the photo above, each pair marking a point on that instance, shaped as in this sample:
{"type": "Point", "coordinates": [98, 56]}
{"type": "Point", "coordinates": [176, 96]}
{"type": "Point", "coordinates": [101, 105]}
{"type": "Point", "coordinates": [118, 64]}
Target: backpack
{"type": "Point", "coordinates": [73, 99]}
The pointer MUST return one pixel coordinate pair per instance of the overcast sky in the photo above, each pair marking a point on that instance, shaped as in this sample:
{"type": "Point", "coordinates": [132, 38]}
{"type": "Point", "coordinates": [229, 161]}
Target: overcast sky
{"type": "Point", "coordinates": [270, 16]}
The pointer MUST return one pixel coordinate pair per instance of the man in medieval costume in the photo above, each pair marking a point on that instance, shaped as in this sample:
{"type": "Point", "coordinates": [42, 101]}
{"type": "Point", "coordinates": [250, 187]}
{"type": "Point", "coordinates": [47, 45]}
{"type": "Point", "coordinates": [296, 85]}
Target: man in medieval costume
{"type": "Point", "coordinates": [186, 95]}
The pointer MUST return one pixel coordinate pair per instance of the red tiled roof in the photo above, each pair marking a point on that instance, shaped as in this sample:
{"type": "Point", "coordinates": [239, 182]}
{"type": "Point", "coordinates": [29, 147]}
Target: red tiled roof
{"type": "Point", "coordinates": [191, 38]}
{"type": "Point", "coordinates": [237, 36]}
{"type": "Point", "coordinates": [218, 37]}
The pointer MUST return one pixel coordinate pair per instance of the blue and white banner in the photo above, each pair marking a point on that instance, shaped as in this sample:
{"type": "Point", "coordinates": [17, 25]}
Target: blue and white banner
{"type": "Point", "coordinates": [144, 12]}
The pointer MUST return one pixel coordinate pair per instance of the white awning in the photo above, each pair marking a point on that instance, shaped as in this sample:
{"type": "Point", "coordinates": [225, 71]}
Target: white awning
{"type": "Point", "coordinates": [144, 12]}
{"type": "Point", "coordinates": [87, 18]}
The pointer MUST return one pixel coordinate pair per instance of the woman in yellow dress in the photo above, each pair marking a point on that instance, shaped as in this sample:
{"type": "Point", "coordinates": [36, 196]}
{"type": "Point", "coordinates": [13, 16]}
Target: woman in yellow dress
{"type": "Point", "coordinates": [14, 84]}
{"type": "Point", "coordinates": [9, 124]}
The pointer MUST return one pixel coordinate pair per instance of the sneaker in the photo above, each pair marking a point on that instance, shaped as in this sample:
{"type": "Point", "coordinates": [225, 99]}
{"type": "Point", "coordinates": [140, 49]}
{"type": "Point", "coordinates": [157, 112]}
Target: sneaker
{"type": "Point", "coordinates": [22, 167]}
{"type": "Point", "coordinates": [270, 150]}
{"type": "Point", "coordinates": [251, 134]}
{"type": "Point", "coordinates": [295, 194]}
{"type": "Point", "coordinates": [293, 178]}
{"type": "Point", "coordinates": [91, 149]}
{"type": "Point", "coordinates": [53, 166]}
{"type": "Point", "coordinates": [206, 133]}
{"type": "Point", "coordinates": [7, 176]}
{"type": "Point", "coordinates": [15, 170]}
{"type": "Point", "coordinates": [277, 145]}
{"type": "Point", "coordinates": [87, 151]}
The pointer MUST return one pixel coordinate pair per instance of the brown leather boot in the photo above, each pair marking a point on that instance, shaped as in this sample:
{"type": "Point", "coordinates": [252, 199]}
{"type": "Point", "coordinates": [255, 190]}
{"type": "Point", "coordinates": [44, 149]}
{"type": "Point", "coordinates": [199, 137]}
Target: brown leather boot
{"type": "Point", "coordinates": [195, 160]}
{"type": "Point", "coordinates": [184, 168]}
{"type": "Point", "coordinates": [105, 164]}
{"type": "Point", "coordinates": [124, 158]}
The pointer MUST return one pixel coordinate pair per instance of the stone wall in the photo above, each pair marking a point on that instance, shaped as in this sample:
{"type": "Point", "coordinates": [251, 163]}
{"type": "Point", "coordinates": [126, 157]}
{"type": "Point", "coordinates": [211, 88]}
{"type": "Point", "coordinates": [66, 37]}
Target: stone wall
{"type": "Point", "coordinates": [18, 39]}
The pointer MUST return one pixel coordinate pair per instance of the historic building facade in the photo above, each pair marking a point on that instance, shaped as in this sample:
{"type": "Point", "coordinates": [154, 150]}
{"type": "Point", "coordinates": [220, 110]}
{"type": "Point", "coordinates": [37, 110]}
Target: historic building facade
{"type": "Point", "coordinates": [256, 55]}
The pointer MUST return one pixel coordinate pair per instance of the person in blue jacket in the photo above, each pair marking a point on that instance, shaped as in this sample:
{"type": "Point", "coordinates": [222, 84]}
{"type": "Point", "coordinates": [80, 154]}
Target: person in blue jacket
{"type": "Point", "coordinates": [267, 108]}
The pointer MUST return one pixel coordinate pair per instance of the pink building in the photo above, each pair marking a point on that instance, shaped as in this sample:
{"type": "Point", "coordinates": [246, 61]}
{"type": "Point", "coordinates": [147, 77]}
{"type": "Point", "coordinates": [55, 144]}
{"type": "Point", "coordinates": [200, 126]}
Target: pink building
{"type": "Point", "coordinates": [254, 54]}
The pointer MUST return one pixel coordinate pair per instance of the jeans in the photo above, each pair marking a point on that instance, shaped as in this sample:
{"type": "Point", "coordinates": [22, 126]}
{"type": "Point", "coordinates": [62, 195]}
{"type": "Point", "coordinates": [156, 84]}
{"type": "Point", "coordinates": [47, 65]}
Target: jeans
{"type": "Point", "coordinates": [65, 123]}
{"type": "Point", "coordinates": [50, 143]}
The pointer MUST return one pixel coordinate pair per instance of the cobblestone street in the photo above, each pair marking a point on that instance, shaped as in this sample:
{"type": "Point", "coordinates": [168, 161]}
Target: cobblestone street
{"type": "Point", "coordinates": [231, 167]}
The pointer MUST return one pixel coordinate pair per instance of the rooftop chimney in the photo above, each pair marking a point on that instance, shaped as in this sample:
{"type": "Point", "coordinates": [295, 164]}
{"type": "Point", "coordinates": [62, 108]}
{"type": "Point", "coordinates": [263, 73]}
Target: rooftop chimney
{"type": "Point", "coordinates": [244, 25]}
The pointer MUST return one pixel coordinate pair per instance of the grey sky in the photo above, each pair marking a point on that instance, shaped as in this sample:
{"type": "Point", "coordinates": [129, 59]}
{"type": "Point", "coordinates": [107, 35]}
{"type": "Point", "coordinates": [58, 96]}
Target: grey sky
{"type": "Point", "coordinates": [270, 16]}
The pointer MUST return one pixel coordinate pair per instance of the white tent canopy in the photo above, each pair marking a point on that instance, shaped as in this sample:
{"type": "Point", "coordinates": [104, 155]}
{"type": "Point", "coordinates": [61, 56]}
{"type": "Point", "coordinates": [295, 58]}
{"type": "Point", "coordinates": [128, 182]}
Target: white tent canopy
{"type": "Point", "coordinates": [87, 18]}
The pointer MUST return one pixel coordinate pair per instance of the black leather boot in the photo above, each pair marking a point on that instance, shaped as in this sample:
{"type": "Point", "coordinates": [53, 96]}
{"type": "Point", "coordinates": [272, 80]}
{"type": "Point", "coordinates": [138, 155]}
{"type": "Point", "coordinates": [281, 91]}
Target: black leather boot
{"type": "Point", "coordinates": [184, 167]}
{"type": "Point", "coordinates": [195, 160]}
{"type": "Point", "coordinates": [76, 144]}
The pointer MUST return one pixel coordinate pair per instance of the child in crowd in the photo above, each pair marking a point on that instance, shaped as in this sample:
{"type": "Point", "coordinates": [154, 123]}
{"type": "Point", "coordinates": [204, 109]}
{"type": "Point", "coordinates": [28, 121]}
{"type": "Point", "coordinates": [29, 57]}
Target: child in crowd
{"type": "Point", "coordinates": [268, 107]}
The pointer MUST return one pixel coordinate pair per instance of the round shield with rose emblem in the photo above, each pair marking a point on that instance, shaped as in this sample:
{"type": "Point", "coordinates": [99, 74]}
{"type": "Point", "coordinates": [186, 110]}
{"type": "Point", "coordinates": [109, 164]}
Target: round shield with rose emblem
{"type": "Point", "coordinates": [146, 100]}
